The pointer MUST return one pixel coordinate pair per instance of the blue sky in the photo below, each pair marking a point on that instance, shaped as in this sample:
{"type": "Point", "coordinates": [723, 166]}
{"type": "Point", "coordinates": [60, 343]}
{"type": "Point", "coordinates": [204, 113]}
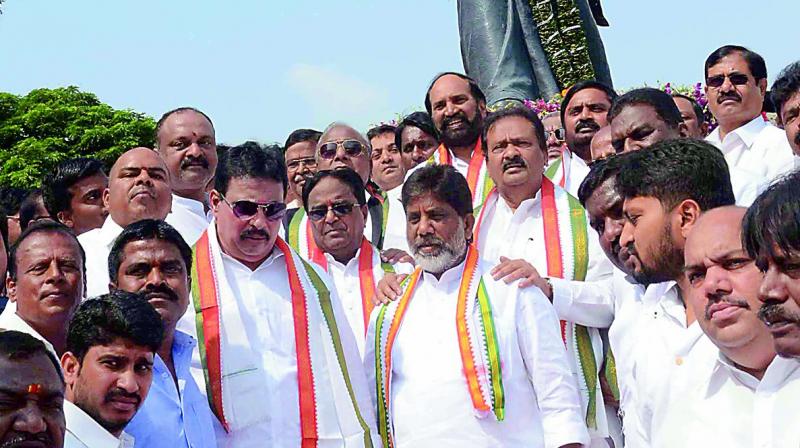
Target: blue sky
{"type": "Point", "coordinates": [263, 68]}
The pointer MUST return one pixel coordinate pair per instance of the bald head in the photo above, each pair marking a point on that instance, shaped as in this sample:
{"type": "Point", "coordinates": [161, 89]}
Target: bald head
{"type": "Point", "coordinates": [361, 163]}
{"type": "Point", "coordinates": [138, 187]}
{"type": "Point", "coordinates": [601, 144]}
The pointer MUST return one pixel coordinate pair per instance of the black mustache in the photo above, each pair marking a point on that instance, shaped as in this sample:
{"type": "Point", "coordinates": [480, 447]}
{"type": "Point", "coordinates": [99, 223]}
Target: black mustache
{"type": "Point", "coordinates": [728, 96]}
{"type": "Point", "coordinates": [459, 116]}
{"type": "Point", "coordinates": [515, 161]}
{"type": "Point", "coordinates": [161, 289]}
{"type": "Point", "coordinates": [249, 233]}
{"type": "Point", "coordinates": [735, 302]}
{"type": "Point", "coordinates": [774, 312]}
{"type": "Point", "coordinates": [192, 160]}
{"type": "Point", "coordinates": [22, 437]}
{"type": "Point", "coordinates": [631, 249]}
{"type": "Point", "coordinates": [587, 123]}
{"type": "Point", "coordinates": [121, 393]}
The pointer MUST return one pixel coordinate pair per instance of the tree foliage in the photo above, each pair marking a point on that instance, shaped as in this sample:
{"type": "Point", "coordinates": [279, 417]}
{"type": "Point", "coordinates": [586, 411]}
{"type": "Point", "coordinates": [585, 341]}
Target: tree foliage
{"type": "Point", "coordinates": [46, 126]}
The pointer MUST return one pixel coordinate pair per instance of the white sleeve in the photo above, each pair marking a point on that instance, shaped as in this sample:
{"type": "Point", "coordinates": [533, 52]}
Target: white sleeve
{"type": "Point", "coordinates": [590, 304]}
{"type": "Point", "coordinates": [600, 267]}
{"type": "Point", "coordinates": [545, 358]}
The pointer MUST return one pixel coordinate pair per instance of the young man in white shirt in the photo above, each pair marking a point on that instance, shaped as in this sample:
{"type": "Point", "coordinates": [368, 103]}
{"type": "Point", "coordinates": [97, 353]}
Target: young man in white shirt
{"type": "Point", "coordinates": [476, 361]}
{"type": "Point", "coordinates": [281, 360]}
{"type": "Point", "coordinates": [138, 188]}
{"type": "Point", "coordinates": [108, 367]}
{"type": "Point", "coordinates": [185, 139]}
{"type": "Point", "coordinates": [736, 82]}
{"type": "Point", "coordinates": [785, 95]}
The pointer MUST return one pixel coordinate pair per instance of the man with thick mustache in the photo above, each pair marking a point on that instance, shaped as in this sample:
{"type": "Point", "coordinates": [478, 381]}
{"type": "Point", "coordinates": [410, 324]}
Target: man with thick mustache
{"type": "Point", "coordinates": [151, 258]}
{"type": "Point", "coordinates": [138, 188]}
{"type": "Point", "coordinates": [431, 385]}
{"type": "Point", "coordinates": [281, 359]}
{"type": "Point", "coordinates": [108, 368]}
{"type": "Point", "coordinates": [771, 237]}
{"type": "Point", "coordinates": [45, 283]}
{"type": "Point", "coordinates": [736, 82]}
{"type": "Point", "coordinates": [186, 141]}
{"type": "Point", "coordinates": [731, 390]}
{"type": "Point", "coordinates": [458, 106]}
{"type": "Point", "coordinates": [785, 95]}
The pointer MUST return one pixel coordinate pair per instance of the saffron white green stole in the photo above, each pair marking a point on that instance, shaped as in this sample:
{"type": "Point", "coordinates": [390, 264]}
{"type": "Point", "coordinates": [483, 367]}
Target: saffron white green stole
{"type": "Point", "coordinates": [478, 179]}
{"type": "Point", "coordinates": [228, 356]}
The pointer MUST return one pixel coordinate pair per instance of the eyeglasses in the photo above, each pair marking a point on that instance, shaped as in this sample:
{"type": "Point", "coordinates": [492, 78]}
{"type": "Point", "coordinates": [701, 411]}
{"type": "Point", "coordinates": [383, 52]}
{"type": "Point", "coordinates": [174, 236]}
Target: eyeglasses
{"type": "Point", "coordinates": [308, 162]}
{"type": "Point", "coordinates": [737, 79]}
{"type": "Point", "coordinates": [245, 209]}
{"type": "Point", "coordinates": [341, 209]}
{"type": "Point", "coordinates": [558, 134]}
{"type": "Point", "coordinates": [352, 148]}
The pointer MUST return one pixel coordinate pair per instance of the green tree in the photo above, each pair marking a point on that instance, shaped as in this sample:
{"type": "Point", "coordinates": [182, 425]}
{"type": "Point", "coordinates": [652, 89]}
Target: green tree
{"type": "Point", "coordinates": [46, 126]}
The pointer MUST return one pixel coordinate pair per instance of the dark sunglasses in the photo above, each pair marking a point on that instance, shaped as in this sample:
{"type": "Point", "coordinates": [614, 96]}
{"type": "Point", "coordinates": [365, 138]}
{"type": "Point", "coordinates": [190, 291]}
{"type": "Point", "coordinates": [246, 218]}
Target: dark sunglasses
{"type": "Point", "coordinates": [245, 209]}
{"type": "Point", "coordinates": [352, 148]}
{"type": "Point", "coordinates": [341, 209]}
{"type": "Point", "coordinates": [737, 79]}
{"type": "Point", "coordinates": [558, 134]}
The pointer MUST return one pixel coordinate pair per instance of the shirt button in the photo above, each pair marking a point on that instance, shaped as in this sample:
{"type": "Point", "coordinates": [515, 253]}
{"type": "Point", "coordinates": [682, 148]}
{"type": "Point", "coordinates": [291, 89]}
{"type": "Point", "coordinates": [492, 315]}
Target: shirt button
{"type": "Point", "coordinates": [678, 360]}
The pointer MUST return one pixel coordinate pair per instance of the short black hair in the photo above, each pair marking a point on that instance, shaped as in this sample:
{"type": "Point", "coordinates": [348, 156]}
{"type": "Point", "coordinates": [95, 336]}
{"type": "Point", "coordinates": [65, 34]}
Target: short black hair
{"type": "Point", "coordinates": [583, 85]}
{"type": "Point", "coordinates": [755, 63]}
{"type": "Point", "coordinates": [442, 181]}
{"type": "Point", "coordinates": [474, 89]}
{"type": "Point", "coordinates": [42, 227]}
{"type": "Point", "coordinates": [11, 199]}
{"type": "Point", "coordinates": [177, 110]}
{"type": "Point", "coordinates": [660, 101]}
{"type": "Point", "coordinates": [513, 111]}
{"type": "Point", "coordinates": [302, 135]}
{"type": "Point", "coordinates": [55, 186]}
{"type": "Point", "coordinates": [600, 171]}
{"type": "Point", "coordinates": [696, 107]}
{"type": "Point", "coordinates": [345, 175]}
{"type": "Point", "coordinates": [787, 85]}
{"type": "Point", "coordinates": [380, 129]}
{"type": "Point", "coordinates": [29, 207]}
{"type": "Point", "coordinates": [16, 345]}
{"type": "Point", "coordinates": [420, 120]}
{"type": "Point", "coordinates": [116, 315]}
{"type": "Point", "coordinates": [773, 220]}
{"type": "Point", "coordinates": [675, 170]}
{"type": "Point", "coordinates": [147, 229]}
{"type": "Point", "coordinates": [250, 159]}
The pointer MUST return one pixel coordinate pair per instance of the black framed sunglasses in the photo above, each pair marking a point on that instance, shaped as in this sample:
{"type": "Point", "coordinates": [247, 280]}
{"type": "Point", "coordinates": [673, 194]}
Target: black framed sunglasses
{"type": "Point", "coordinates": [352, 148]}
{"type": "Point", "coordinates": [340, 209]}
{"type": "Point", "coordinates": [559, 134]}
{"type": "Point", "coordinates": [737, 79]}
{"type": "Point", "coordinates": [245, 209]}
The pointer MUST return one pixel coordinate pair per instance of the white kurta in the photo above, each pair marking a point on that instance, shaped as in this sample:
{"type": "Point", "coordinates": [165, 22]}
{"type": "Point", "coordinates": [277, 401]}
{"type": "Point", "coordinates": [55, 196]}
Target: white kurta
{"type": "Point", "coordinates": [395, 235]}
{"type": "Point", "coordinates": [259, 309]}
{"type": "Point", "coordinates": [431, 404]}
{"type": "Point", "coordinates": [97, 245]}
{"type": "Point", "coordinates": [189, 218]}
{"type": "Point", "coordinates": [714, 403]}
{"type": "Point", "coordinates": [758, 147]}
{"type": "Point", "coordinates": [83, 432]}
{"type": "Point", "coordinates": [573, 170]}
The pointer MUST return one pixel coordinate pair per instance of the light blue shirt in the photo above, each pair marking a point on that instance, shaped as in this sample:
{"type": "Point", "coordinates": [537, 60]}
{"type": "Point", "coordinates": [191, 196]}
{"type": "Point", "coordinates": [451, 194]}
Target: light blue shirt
{"type": "Point", "coordinates": [170, 417]}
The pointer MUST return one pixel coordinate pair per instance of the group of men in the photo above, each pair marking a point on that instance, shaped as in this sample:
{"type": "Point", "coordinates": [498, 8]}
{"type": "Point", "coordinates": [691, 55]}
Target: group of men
{"type": "Point", "coordinates": [599, 277]}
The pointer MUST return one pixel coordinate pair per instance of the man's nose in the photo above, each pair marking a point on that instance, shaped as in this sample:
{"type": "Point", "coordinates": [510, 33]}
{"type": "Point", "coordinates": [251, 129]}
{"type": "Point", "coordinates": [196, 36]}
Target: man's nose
{"type": "Point", "coordinates": [30, 419]}
{"type": "Point", "coordinates": [626, 237]}
{"type": "Point", "coordinates": [773, 286]}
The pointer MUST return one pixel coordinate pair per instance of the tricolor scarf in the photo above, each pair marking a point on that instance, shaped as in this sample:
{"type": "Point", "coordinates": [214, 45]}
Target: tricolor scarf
{"type": "Point", "coordinates": [480, 184]}
{"type": "Point", "coordinates": [557, 169]}
{"type": "Point", "coordinates": [366, 274]}
{"type": "Point", "coordinates": [320, 357]}
{"type": "Point", "coordinates": [477, 341]}
{"type": "Point", "coordinates": [299, 235]}
{"type": "Point", "coordinates": [567, 251]}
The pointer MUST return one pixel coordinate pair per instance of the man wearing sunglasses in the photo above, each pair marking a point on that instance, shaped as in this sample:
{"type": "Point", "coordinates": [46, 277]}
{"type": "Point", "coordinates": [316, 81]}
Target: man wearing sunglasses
{"type": "Point", "coordinates": [736, 81]}
{"type": "Point", "coordinates": [281, 360]}
{"type": "Point", "coordinates": [554, 133]}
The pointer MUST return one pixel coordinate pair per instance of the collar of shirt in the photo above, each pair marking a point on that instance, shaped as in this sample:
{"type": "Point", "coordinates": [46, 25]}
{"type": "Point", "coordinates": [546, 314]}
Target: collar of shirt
{"type": "Point", "coordinates": [86, 430]}
{"type": "Point", "coordinates": [777, 373]}
{"type": "Point", "coordinates": [110, 231]}
{"type": "Point", "coordinates": [10, 320]}
{"type": "Point", "coordinates": [192, 206]}
{"type": "Point", "coordinates": [746, 133]}
{"type": "Point", "coordinates": [352, 264]}
{"type": "Point", "coordinates": [238, 265]}
{"type": "Point", "coordinates": [448, 277]}
{"type": "Point", "coordinates": [530, 206]}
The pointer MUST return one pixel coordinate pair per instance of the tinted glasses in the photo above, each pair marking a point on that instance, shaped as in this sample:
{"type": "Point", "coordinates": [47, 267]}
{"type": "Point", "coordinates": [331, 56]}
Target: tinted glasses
{"type": "Point", "coordinates": [737, 79]}
{"type": "Point", "coordinates": [352, 148]}
{"type": "Point", "coordinates": [245, 209]}
{"type": "Point", "coordinates": [339, 209]}
{"type": "Point", "coordinates": [557, 134]}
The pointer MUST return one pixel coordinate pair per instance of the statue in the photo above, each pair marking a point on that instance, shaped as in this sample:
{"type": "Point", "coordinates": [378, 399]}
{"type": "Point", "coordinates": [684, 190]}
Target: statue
{"type": "Point", "coordinates": [527, 49]}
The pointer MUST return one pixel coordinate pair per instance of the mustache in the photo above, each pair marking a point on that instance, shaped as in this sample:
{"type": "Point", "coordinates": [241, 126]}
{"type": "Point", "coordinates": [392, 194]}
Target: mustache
{"type": "Point", "coordinates": [253, 232]}
{"type": "Point", "coordinates": [458, 116]}
{"type": "Point", "coordinates": [587, 123]}
{"type": "Point", "coordinates": [773, 312]}
{"type": "Point", "coordinates": [513, 162]}
{"type": "Point", "coordinates": [732, 95]}
{"type": "Point", "coordinates": [732, 301]}
{"type": "Point", "coordinates": [22, 437]}
{"type": "Point", "coordinates": [194, 160]}
{"type": "Point", "coordinates": [121, 393]}
{"type": "Point", "coordinates": [151, 291]}
{"type": "Point", "coordinates": [428, 240]}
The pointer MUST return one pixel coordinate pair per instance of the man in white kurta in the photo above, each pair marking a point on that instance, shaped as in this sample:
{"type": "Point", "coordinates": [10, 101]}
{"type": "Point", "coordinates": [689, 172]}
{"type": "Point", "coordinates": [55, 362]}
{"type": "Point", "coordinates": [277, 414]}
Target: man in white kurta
{"type": "Point", "coordinates": [138, 188]}
{"type": "Point", "coordinates": [281, 360]}
{"type": "Point", "coordinates": [426, 368]}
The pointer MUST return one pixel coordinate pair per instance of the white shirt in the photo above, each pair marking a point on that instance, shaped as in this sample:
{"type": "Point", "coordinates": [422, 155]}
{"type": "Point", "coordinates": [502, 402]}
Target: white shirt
{"type": "Point", "coordinates": [714, 403]}
{"type": "Point", "coordinates": [431, 404]}
{"type": "Point", "coordinates": [573, 169]}
{"type": "Point", "coordinates": [758, 147]}
{"type": "Point", "coordinates": [395, 235]}
{"type": "Point", "coordinates": [83, 432]}
{"type": "Point", "coordinates": [97, 245]}
{"type": "Point", "coordinates": [268, 323]}
{"type": "Point", "coordinates": [10, 320]}
{"type": "Point", "coordinates": [189, 218]}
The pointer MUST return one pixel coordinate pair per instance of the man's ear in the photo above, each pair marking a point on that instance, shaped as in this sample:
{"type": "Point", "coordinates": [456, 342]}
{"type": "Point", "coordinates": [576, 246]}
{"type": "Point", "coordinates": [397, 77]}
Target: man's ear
{"type": "Point", "coordinates": [71, 367]}
{"type": "Point", "coordinates": [762, 86]}
{"type": "Point", "coordinates": [365, 212]}
{"type": "Point", "coordinates": [469, 222]}
{"type": "Point", "coordinates": [106, 198]}
{"type": "Point", "coordinates": [65, 217]}
{"type": "Point", "coordinates": [482, 108]}
{"type": "Point", "coordinates": [688, 213]}
{"type": "Point", "coordinates": [214, 198]}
